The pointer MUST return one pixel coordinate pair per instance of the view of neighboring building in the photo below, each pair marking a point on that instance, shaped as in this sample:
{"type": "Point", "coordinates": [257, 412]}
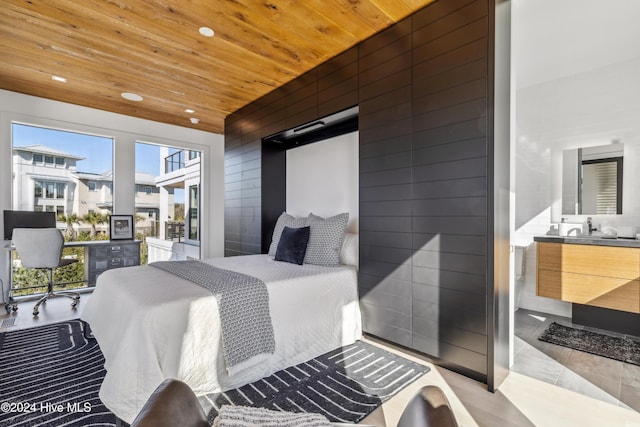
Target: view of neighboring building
{"type": "Point", "coordinates": [150, 202]}
{"type": "Point", "coordinates": [46, 179]}
{"type": "Point", "coordinates": [178, 236]}
{"type": "Point", "coordinates": [180, 170]}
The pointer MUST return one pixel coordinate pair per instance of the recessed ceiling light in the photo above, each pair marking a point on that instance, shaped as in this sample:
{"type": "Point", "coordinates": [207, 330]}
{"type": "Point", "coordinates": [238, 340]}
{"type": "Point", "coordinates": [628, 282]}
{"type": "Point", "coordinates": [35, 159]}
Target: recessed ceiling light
{"type": "Point", "coordinates": [131, 96]}
{"type": "Point", "coordinates": [206, 31]}
{"type": "Point", "coordinates": [190, 111]}
{"type": "Point", "coordinates": [59, 79]}
{"type": "Point", "coordinates": [194, 120]}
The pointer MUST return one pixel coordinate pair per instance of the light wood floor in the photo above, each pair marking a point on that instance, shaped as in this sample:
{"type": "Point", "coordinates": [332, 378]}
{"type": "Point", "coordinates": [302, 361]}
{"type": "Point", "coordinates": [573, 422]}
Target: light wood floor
{"type": "Point", "coordinates": [520, 401]}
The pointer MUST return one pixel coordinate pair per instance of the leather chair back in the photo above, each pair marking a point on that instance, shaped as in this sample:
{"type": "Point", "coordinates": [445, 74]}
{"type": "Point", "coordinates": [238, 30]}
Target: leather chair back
{"type": "Point", "coordinates": [172, 404]}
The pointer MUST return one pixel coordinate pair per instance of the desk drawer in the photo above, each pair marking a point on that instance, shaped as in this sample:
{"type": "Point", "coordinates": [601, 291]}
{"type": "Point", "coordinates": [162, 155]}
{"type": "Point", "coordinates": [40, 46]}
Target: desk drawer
{"type": "Point", "coordinates": [106, 251]}
{"type": "Point", "coordinates": [106, 264]}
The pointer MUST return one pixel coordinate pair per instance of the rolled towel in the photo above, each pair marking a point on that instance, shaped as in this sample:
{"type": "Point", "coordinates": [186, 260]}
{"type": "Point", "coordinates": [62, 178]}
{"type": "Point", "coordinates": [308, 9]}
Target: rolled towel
{"type": "Point", "coordinates": [244, 416]}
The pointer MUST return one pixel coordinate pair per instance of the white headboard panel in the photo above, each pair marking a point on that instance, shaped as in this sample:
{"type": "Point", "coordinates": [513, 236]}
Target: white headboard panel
{"type": "Point", "coordinates": [322, 177]}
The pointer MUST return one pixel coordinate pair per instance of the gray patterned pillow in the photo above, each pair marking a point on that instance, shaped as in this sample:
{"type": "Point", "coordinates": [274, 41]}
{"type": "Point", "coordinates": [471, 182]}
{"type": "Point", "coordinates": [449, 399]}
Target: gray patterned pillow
{"type": "Point", "coordinates": [284, 220]}
{"type": "Point", "coordinates": [325, 239]}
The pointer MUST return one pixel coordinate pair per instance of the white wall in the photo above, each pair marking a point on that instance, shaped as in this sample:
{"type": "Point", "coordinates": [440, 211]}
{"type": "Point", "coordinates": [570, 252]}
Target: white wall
{"type": "Point", "coordinates": [125, 130]}
{"type": "Point", "coordinates": [588, 109]}
{"type": "Point", "coordinates": [323, 178]}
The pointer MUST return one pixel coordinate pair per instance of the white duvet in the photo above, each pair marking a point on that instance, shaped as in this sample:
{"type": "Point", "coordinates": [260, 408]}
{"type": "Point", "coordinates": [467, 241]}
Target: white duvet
{"type": "Point", "coordinates": [152, 325]}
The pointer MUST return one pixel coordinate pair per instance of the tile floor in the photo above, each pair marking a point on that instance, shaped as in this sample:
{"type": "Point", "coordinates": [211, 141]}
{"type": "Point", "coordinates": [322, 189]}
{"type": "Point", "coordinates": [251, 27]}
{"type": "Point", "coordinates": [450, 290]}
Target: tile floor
{"type": "Point", "coordinates": [591, 375]}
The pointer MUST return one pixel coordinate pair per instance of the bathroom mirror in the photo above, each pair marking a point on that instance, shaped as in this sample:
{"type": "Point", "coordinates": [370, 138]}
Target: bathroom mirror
{"type": "Point", "coordinates": [592, 180]}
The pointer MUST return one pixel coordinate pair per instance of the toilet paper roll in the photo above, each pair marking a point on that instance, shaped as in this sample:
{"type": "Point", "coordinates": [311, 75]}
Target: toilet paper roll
{"type": "Point", "coordinates": [563, 228]}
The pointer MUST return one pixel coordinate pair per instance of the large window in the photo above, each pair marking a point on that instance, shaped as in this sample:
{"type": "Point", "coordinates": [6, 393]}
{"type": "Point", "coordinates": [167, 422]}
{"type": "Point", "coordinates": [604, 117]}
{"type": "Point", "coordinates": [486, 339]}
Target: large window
{"type": "Point", "coordinates": [51, 169]}
{"type": "Point", "coordinates": [48, 190]}
{"type": "Point", "coordinates": [167, 199]}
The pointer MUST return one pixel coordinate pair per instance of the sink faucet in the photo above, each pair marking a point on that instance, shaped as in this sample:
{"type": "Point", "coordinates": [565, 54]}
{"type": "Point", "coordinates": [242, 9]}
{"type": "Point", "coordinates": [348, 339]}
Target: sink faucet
{"type": "Point", "coordinates": [590, 225]}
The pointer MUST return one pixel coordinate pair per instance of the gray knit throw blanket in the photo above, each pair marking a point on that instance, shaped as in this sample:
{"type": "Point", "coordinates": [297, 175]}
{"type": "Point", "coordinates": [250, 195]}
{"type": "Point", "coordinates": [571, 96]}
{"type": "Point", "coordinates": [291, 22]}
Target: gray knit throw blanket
{"type": "Point", "coordinates": [243, 302]}
{"type": "Point", "coordinates": [242, 416]}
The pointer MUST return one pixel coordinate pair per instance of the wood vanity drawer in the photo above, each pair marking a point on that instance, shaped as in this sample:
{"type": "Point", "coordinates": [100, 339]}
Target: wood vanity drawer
{"type": "Point", "coordinates": [606, 292]}
{"type": "Point", "coordinates": [608, 261]}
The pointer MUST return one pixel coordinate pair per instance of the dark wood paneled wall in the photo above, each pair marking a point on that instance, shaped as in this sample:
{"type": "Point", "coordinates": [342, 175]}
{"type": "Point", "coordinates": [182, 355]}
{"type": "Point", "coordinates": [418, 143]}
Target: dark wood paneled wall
{"type": "Point", "coordinates": [450, 210]}
{"type": "Point", "coordinates": [422, 88]}
{"type": "Point", "coordinates": [243, 185]}
{"type": "Point", "coordinates": [385, 183]}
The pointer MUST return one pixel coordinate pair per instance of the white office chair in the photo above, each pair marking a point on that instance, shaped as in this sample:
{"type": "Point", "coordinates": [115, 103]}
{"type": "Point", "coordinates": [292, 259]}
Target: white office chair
{"type": "Point", "coordinates": [41, 248]}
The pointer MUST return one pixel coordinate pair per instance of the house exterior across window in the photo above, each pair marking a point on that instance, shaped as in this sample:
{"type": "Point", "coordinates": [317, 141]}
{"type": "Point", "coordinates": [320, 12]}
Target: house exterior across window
{"type": "Point", "coordinates": [46, 179]}
{"type": "Point", "coordinates": [41, 182]}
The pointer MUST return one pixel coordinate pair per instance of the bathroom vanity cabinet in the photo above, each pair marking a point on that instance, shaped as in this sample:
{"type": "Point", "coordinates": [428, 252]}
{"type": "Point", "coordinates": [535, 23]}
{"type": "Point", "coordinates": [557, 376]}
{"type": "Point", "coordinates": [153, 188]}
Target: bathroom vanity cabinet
{"type": "Point", "coordinates": [594, 272]}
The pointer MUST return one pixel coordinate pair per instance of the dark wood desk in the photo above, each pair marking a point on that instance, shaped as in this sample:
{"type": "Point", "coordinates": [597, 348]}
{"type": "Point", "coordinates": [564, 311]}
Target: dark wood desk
{"type": "Point", "coordinates": [103, 255]}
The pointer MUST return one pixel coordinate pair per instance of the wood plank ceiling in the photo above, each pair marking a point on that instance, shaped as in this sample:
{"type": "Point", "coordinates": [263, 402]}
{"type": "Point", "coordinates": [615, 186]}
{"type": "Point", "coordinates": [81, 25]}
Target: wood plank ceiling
{"type": "Point", "coordinates": [153, 48]}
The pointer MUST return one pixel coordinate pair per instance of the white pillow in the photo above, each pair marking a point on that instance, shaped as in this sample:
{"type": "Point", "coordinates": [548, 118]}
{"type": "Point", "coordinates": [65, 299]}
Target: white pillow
{"type": "Point", "coordinates": [349, 251]}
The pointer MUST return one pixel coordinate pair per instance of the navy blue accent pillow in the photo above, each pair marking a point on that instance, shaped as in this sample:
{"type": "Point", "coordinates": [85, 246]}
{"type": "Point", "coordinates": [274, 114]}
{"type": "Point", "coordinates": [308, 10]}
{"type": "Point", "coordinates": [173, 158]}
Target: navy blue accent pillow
{"type": "Point", "coordinates": [292, 246]}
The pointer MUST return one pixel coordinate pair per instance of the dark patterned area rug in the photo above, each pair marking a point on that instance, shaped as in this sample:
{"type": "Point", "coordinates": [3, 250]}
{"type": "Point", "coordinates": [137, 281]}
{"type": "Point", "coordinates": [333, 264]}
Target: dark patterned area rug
{"type": "Point", "coordinates": [50, 376]}
{"type": "Point", "coordinates": [345, 385]}
{"type": "Point", "coordinates": [622, 349]}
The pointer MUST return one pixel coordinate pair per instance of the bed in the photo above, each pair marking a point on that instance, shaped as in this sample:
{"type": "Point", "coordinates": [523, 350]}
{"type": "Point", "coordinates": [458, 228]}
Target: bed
{"type": "Point", "coordinates": [152, 325]}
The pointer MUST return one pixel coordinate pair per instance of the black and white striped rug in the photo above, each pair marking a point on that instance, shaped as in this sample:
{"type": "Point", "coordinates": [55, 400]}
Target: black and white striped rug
{"type": "Point", "coordinates": [345, 385]}
{"type": "Point", "coordinates": [50, 376]}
